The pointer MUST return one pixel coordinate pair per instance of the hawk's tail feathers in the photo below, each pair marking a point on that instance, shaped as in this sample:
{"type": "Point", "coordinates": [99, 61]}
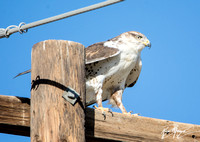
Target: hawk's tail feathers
{"type": "Point", "coordinates": [22, 73]}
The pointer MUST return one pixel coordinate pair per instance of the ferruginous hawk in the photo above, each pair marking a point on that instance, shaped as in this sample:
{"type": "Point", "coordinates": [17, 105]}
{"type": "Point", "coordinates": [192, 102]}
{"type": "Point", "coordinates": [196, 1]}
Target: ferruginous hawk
{"type": "Point", "coordinates": [111, 66]}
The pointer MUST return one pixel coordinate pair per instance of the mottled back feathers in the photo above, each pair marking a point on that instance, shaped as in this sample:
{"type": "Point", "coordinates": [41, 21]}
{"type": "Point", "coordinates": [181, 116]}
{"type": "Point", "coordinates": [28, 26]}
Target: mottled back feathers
{"type": "Point", "coordinates": [98, 52]}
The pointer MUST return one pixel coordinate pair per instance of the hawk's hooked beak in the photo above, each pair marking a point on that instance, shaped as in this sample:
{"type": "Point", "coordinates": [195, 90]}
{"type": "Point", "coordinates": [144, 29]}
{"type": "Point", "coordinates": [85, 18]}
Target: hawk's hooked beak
{"type": "Point", "coordinates": [147, 43]}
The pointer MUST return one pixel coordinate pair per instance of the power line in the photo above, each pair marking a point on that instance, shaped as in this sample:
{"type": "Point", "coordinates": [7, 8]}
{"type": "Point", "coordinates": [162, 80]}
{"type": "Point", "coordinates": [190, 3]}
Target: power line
{"type": "Point", "coordinates": [22, 28]}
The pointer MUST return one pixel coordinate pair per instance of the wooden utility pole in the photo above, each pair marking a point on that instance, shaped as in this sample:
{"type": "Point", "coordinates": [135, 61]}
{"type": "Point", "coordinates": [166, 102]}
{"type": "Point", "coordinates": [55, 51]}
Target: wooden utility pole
{"type": "Point", "coordinates": [57, 65]}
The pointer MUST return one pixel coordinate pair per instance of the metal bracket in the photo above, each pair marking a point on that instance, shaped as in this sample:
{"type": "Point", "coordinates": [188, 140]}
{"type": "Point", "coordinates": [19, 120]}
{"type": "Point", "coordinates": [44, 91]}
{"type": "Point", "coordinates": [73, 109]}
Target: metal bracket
{"type": "Point", "coordinates": [70, 95]}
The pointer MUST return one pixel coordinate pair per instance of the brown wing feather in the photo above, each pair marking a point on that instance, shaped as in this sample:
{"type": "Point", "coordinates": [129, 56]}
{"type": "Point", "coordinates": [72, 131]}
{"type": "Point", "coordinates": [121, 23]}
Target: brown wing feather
{"type": "Point", "coordinates": [98, 52]}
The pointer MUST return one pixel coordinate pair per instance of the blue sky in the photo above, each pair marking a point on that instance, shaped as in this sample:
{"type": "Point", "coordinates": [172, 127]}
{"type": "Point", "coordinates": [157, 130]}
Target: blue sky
{"type": "Point", "coordinates": [168, 86]}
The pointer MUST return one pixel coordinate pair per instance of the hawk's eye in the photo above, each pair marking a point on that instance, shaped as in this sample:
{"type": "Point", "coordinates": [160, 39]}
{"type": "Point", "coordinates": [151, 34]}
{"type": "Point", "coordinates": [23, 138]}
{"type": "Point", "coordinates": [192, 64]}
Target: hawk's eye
{"type": "Point", "coordinates": [139, 37]}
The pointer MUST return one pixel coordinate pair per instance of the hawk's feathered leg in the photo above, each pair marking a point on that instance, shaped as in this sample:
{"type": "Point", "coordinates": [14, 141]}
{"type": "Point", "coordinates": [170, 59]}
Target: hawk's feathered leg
{"type": "Point", "coordinates": [117, 97]}
{"type": "Point", "coordinates": [99, 102]}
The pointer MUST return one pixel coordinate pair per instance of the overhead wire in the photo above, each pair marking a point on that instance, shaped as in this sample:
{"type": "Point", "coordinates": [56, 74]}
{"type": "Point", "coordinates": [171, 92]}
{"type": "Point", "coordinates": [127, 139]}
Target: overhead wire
{"type": "Point", "coordinates": [23, 28]}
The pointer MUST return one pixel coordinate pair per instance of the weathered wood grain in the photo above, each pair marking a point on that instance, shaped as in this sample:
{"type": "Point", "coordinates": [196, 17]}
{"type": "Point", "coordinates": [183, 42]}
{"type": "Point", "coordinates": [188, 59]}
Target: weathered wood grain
{"type": "Point", "coordinates": [57, 64]}
{"type": "Point", "coordinates": [117, 128]}
{"type": "Point", "coordinates": [137, 128]}
{"type": "Point", "coordinates": [15, 115]}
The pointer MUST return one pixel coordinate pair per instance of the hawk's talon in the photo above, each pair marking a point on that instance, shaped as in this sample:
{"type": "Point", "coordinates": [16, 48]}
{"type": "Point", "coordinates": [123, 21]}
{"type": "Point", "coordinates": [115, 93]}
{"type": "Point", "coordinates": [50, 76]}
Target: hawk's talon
{"type": "Point", "coordinates": [103, 111]}
{"type": "Point", "coordinates": [104, 115]}
{"type": "Point", "coordinates": [136, 114]}
{"type": "Point", "coordinates": [129, 113]}
{"type": "Point", "coordinates": [111, 112]}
